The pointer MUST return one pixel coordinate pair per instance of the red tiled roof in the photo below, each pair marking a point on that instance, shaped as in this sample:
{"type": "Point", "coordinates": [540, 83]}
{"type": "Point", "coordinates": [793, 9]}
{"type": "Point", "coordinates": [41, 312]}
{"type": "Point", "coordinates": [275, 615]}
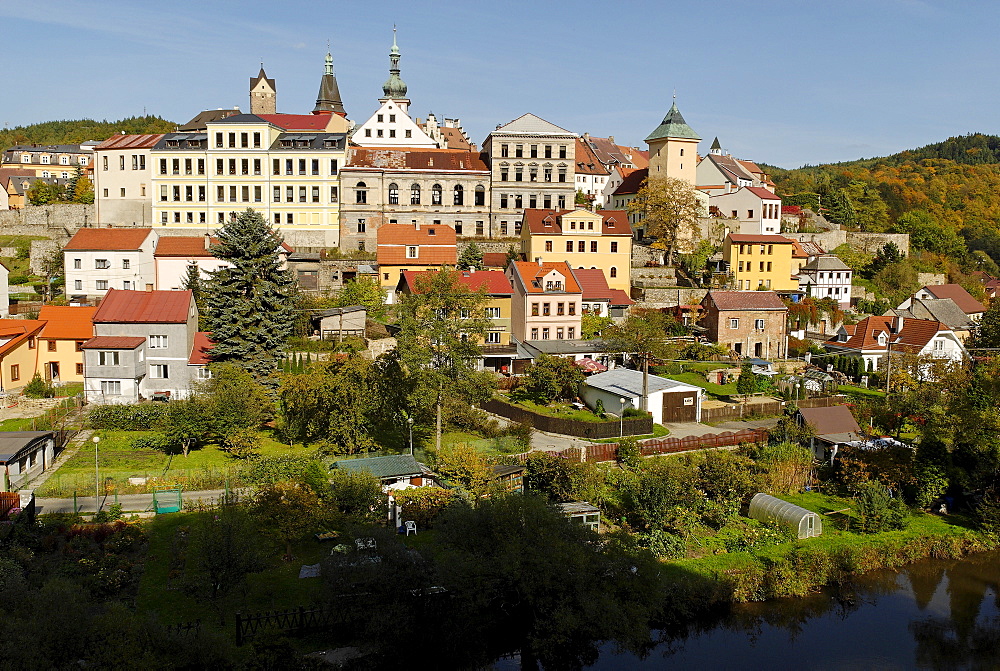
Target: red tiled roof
{"type": "Point", "coordinates": [915, 334]}
{"type": "Point", "coordinates": [912, 337]}
{"type": "Point", "coordinates": [495, 260]}
{"type": "Point", "coordinates": [632, 182]}
{"type": "Point", "coordinates": [750, 166]}
{"type": "Point", "coordinates": [184, 246]}
{"type": "Point", "coordinates": [619, 297]}
{"type": "Point", "coordinates": [67, 322]}
{"type": "Point", "coordinates": [129, 142]}
{"type": "Point", "coordinates": [313, 122]}
{"type": "Point", "coordinates": [791, 209]}
{"type": "Point", "coordinates": [143, 307]}
{"type": "Point", "coordinates": [108, 239]}
{"type": "Point", "coordinates": [745, 300]}
{"type": "Point", "coordinates": [113, 342]}
{"type": "Point", "coordinates": [587, 162]}
{"type": "Point", "coordinates": [434, 249]}
{"type": "Point", "coordinates": [417, 159]}
{"type": "Point", "coordinates": [957, 293]}
{"type": "Point", "coordinates": [759, 239]}
{"type": "Point", "coordinates": [495, 282]}
{"type": "Point", "coordinates": [199, 351]}
{"type": "Point", "coordinates": [615, 222]}
{"type": "Point", "coordinates": [797, 251]}
{"type": "Point", "coordinates": [17, 330]}
{"type": "Point", "coordinates": [455, 138]}
{"type": "Point", "coordinates": [762, 193]}
{"type": "Point", "coordinates": [529, 271]}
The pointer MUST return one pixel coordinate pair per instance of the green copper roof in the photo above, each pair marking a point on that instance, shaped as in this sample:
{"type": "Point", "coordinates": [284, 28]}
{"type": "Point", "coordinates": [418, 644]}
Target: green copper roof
{"type": "Point", "coordinates": [394, 87]}
{"type": "Point", "coordinates": [673, 125]}
{"type": "Point", "coordinates": [715, 144]}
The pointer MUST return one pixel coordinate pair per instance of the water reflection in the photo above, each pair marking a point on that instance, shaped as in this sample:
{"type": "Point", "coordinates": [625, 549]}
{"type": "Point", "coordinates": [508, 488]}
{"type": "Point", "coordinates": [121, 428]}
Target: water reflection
{"type": "Point", "coordinates": [935, 614]}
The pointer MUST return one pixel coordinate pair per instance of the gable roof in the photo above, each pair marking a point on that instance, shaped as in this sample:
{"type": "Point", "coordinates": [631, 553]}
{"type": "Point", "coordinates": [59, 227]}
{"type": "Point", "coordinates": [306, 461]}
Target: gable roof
{"type": "Point", "coordinates": [549, 222]}
{"type": "Point", "coordinates": [436, 243]}
{"type": "Point", "coordinates": [631, 182]}
{"type": "Point", "coordinates": [198, 123]}
{"type": "Point", "coordinates": [587, 162]}
{"type": "Point", "coordinates": [494, 281]}
{"type": "Point", "coordinates": [108, 239]}
{"type": "Point", "coordinates": [382, 467]}
{"type": "Point", "coordinates": [595, 287]}
{"type": "Point", "coordinates": [944, 310]}
{"type": "Point", "coordinates": [416, 159]}
{"type": "Point", "coordinates": [67, 322]}
{"type": "Point", "coordinates": [120, 306]}
{"type": "Point", "coordinates": [762, 193]}
{"type": "Point", "coordinates": [628, 382]}
{"type": "Point", "coordinates": [957, 293]}
{"type": "Point", "coordinates": [495, 260]}
{"type": "Point", "coordinates": [184, 246]}
{"type": "Point", "coordinates": [16, 331]}
{"type": "Point", "coordinates": [129, 142]}
{"type": "Point", "coordinates": [834, 419]}
{"type": "Point", "coordinates": [825, 263]}
{"type": "Point", "coordinates": [912, 336]}
{"type": "Point", "coordinates": [745, 300]}
{"type": "Point", "coordinates": [730, 168]}
{"type": "Point", "coordinates": [529, 272]}
{"type": "Point", "coordinates": [455, 138]}
{"type": "Point", "coordinates": [200, 349]}
{"type": "Point", "coordinates": [113, 342]}
{"type": "Point", "coordinates": [529, 124]}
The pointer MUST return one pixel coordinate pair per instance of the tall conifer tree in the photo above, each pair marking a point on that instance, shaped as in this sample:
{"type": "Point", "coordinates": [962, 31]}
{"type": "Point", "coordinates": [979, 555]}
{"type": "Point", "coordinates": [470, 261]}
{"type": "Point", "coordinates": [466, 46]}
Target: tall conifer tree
{"type": "Point", "coordinates": [249, 306]}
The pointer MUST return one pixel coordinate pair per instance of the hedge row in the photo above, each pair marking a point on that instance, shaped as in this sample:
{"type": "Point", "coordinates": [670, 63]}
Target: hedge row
{"type": "Point", "coordinates": [134, 417]}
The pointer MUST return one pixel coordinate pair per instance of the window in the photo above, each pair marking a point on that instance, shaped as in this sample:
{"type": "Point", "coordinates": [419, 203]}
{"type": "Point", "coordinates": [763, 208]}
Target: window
{"type": "Point", "coordinates": [77, 264]}
{"type": "Point", "coordinates": [333, 194]}
{"type": "Point", "coordinates": [101, 264]}
{"type": "Point", "coordinates": [78, 285]}
{"type": "Point", "coordinates": [126, 264]}
{"type": "Point", "coordinates": [614, 247]}
{"type": "Point", "coordinates": [545, 334]}
{"type": "Point", "coordinates": [361, 196]}
{"type": "Point", "coordinates": [302, 194]}
{"type": "Point", "coordinates": [493, 338]}
{"type": "Point", "coordinates": [548, 245]}
{"type": "Point", "coordinates": [562, 152]}
{"type": "Point", "coordinates": [734, 323]}
{"type": "Point", "coordinates": [414, 194]}
{"type": "Point", "coordinates": [111, 387]}
{"type": "Point", "coordinates": [79, 369]}
{"type": "Point", "coordinates": [105, 163]}
{"type": "Point", "coordinates": [333, 166]}
{"type": "Point", "coordinates": [569, 245]}
{"type": "Point", "coordinates": [361, 225]}
{"type": "Point", "coordinates": [15, 372]}
{"type": "Point", "coordinates": [546, 309]}
{"type": "Point", "coordinates": [593, 246]}
{"type": "Point", "coordinates": [518, 150]}
{"type": "Point", "coordinates": [614, 272]}
{"type": "Point", "coordinates": [159, 371]}
{"type": "Point", "coordinates": [534, 309]}
{"type": "Point", "coordinates": [572, 310]}
{"type": "Point", "coordinates": [411, 252]}
{"type": "Point", "coordinates": [127, 285]}
{"type": "Point", "coordinates": [758, 324]}
{"type": "Point", "coordinates": [107, 358]}
{"type": "Point", "coordinates": [52, 345]}
{"type": "Point", "coordinates": [560, 309]}
{"type": "Point", "coordinates": [368, 132]}
{"type": "Point", "coordinates": [157, 342]}
{"type": "Point", "coordinates": [289, 218]}
{"type": "Point", "coordinates": [314, 194]}
{"type": "Point", "coordinates": [493, 313]}
{"type": "Point", "coordinates": [562, 202]}
{"type": "Point", "coordinates": [534, 334]}
{"type": "Point", "coordinates": [459, 195]}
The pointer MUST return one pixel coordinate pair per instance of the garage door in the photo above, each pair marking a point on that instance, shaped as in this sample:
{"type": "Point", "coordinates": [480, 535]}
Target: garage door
{"type": "Point", "coordinates": [680, 406]}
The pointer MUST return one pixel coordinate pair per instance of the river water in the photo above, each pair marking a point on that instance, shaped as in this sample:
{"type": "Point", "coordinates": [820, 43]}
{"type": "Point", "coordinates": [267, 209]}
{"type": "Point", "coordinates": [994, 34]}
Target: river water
{"type": "Point", "coordinates": [935, 614]}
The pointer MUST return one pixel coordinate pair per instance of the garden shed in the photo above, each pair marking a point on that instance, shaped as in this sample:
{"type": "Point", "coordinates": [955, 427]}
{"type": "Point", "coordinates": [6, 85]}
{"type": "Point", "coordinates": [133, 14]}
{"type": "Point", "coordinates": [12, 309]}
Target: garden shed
{"type": "Point", "coordinates": [765, 508]}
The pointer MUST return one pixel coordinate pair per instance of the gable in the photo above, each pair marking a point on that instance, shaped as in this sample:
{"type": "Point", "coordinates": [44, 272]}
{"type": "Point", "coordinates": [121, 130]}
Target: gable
{"type": "Point", "coordinates": [533, 125]}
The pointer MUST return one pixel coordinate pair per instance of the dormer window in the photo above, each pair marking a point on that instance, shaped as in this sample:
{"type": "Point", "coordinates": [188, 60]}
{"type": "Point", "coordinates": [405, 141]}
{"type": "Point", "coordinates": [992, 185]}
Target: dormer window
{"type": "Point", "coordinates": [547, 221]}
{"type": "Point", "coordinates": [431, 231]}
{"type": "Point", "coordinates": [411, 252]}
{"type": "Point", "coordinates": [611, 223]}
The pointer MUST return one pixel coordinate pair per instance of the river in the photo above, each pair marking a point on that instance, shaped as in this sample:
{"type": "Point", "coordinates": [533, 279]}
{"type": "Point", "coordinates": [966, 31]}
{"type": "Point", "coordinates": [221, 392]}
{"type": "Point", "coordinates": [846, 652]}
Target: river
{"type": "Point", "coordinates": [934, 614]}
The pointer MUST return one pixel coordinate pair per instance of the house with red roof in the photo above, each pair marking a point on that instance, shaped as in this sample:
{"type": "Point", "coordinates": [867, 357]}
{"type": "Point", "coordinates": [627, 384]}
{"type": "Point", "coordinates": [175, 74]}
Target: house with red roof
{"type": "Point", "coordinates": [175, 253]}
{"type": "Point", "coordinates": [875, 338]}
{"type": "Point", "coordinates": [750, 209]}
{"type": "Point", "coordinates": [142, 348]}
{"type": "Point", "coordinates": [547, 301]}
{"type": "Point", "coordinates": [403, 247]}
{"type": "Point", "coordinates": [956, 292]}
{"type": "Point", "coordinates": [598, 298]}
{"type": "Point", "coordinates": [720, 173]}
{"type": "Point", "coordinates": [749, 323]}
{"type": "Point", "coordinates": [60, 343]}
{"type": "Point", "coordinates": [99, 259]}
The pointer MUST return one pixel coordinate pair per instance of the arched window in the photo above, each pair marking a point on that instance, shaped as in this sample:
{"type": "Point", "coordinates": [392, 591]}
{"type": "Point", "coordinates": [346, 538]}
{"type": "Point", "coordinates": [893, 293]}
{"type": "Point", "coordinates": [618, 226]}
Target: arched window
{"type": "Point", "coordinates": [414, 194]}
{"type": "Point", "coordinates": [459, 195]}
{"type": "Point", "coordinates": [480, 195]}
{"type": "Point", "coordinates": [436, 194]}
{"type": "Point", "coordinates": [360, 193]}
{"type": "Point", "coordinates": [614, 272]}
{"type": "Point", "coordinates": [394, 194]}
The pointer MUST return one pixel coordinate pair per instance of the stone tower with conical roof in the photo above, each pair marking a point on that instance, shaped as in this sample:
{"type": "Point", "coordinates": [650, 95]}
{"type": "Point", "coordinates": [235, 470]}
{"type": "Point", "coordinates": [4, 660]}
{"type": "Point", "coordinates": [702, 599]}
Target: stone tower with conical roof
{"type": "Point", "coordinates": [673, 148]}
{"type": "Point", "coordinates": [263, 94]}
{"type": "Point", "coordinates": [328, 99]}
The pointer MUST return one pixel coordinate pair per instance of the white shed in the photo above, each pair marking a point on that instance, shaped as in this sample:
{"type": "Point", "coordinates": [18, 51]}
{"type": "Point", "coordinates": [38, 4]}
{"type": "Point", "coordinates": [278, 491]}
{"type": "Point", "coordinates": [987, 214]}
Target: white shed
{"type": "Point", "coordinates": [669, 400]}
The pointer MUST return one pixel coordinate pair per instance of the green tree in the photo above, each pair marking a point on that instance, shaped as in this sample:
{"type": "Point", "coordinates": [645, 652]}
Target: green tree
{"type": "Point", "coordinates": [287, 511]}
{"type": "Point", "coordinates": [551, 378]}
{"type": "Point", "coordinates": [442, 324]}
{"type": "Point", "coordinates": [43, 193]}
{"type": "Point", "coordinates": [926, 233]}
{"type": "Point", "coordinates": [466, 466]}
{"type": "Point", "coordinates": [746, 383]}
{"type": "Point", "coordinates": [549, 475]}
{"type": "Point", "coordinates": [234, 400]}
{"type": "Point", "coordinates": [512, 255]}
{"type": "Point", "coordinates": [363, 291]}
{"type": "Point", "coordinates": [471, 258]}
{"type": "Point", "coordinates": [988, 332]}
{"type": "Point", "coordinates": [670, 210]}
{"type": "Point", "coordinates": [877, 510]}
{"type": "Point", "coordinates": [250, 304]}
{"type": "Point", "coordinates": [187, 422]}
{"type": "Point", "coordinates": [592, 326]}
{"type": "Point", "coordinates": [644, 335]}
{"type": "Point", "coordinates": [193, 283]}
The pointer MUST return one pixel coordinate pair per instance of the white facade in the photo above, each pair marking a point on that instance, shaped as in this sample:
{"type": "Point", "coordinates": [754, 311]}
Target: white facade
{"type": "Point", "coordinates": [391, 126]}
{"type": "Point", "coordinates": [4, 291]}
{"type": "Point", "coordinates": [611, 398]}
{"type": "Point", "coordinates": [123, 180]}
{"type": "Point", "coordinates": [827, 277]}
{"type": "Point", "coordinates": [171, 271]}
{"type": "Point", "coordinates": [91, 273]}
{"type": "Point", "coordinates": [757, 210]}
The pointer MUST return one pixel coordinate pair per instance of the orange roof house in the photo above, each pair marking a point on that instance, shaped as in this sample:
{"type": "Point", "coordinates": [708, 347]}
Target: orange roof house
{"type": "Point", "coordinates": [404, 247]}
{"type": "Point", "coordinates": [18, 352]}
{"type": "Point", "coordinates": [60, 349]}
{"type": "Point", "coordinates": [874, 338]}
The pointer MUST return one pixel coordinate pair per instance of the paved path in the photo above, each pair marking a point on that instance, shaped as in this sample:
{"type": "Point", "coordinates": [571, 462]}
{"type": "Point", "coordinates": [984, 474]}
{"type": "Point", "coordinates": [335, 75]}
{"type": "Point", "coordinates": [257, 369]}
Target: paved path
{"type": "Point", "coordinates": [131, 503]}
{"type": "Point", "coordinates": [79, 440]}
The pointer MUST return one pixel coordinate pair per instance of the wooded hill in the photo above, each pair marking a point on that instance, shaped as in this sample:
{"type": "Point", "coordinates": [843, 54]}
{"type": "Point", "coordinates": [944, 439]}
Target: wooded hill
{"type": "Point", "coordinates": [945, 195]}
{"type": "Point", "coordinates": [81, 130]}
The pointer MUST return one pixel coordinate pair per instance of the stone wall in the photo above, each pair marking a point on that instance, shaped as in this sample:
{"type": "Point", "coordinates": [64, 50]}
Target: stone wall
{"type": "Point", "coordinates": [40, 249]}
{"type": "Point", "coordinates": [53, 221]}
{"type": "Point", "coordinates": [931, 279]}
{"type": "Point", "coordinates": [868, 242]}
{"type": "Point", "coordinates": [667, 297]}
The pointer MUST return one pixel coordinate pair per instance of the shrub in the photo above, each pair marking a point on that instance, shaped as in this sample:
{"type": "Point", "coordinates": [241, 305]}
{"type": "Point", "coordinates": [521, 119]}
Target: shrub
{"type": "Point", "coordinates": [629, 455]}
{"type": "Point", "coordinates": [153, 441]}
{"type": "Point", "coordinates": [423, 504]}
{"type": "Point", "coordinates": [663, 544]}
{"type": "Point", "coordinates": [39, 388]}
{"type": "Point", "coordinates": [634, 412]}
{"type": "Point", "coordinates": [877, 510]}
{"type": "Point", "coordinates": [133, 417]}
{"type": "Point", "coordinates": [242, 443]}
{"type": "Point", "coordinates": [18, 279]}
{"type": "Point", "coordinates": [521, 433]}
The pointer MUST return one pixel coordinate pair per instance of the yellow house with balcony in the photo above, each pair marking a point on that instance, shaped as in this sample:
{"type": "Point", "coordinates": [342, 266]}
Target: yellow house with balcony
{"type": "Point", "coordinates": [581, 238]}
{"type": "Point", "coordinates": [760, 261]}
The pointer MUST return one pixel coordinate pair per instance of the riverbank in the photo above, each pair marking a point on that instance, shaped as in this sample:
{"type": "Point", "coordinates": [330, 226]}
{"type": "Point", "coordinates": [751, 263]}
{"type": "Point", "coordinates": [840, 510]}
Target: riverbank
{"type": "Point", "coordinates": [802, 567]}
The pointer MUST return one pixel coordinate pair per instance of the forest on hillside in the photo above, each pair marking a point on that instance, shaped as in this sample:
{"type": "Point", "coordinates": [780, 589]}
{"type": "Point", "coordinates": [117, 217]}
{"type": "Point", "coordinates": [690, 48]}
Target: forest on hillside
{"type": "Point", "coordinates": [945, 195]}
{"type": "Point", "coordinates": [81, 130]}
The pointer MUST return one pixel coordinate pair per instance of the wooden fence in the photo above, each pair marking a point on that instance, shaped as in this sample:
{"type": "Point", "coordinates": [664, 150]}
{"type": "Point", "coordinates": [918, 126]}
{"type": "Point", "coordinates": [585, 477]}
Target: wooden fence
{"type": "Point", "coordinates": [293, 621]}
{"type": "Point", "coordinates": [821, 401]}
{"type": "Point", "coordinates": [655, 446]}
{"type": "Point", "coordinates": [738, 411]}
{"type": "Point", "coordinates": [636, 426]}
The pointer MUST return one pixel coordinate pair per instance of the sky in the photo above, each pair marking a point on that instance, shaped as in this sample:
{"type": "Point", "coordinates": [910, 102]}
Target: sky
{"type": "Point", "coordinates": [782, 82]}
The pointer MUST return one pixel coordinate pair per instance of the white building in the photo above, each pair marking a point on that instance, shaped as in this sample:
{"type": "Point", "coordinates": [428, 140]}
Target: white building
{"type": "Point", "coordinates": [123, 174]}
{"type": "Point", "coordinates": [174, 254]}
{"type": "Point", "coordinates": [757, 210]}
{"type": "Point", "coordinates": [668, 400]}
{"type": "Point", "coordinates": [99, 259]}
{"type": "Point", "coordinates": [827, 277]}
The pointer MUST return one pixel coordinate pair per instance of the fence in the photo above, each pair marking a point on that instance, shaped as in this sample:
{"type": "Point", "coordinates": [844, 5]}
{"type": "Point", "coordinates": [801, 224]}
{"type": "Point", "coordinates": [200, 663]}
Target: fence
{"type": "Point", "coordinates": [571, 427]}
{"type": "Point", "coordinates": [740, 410]}
{"type": "Point", "coordinates": [295, 621]}
{"type": "Point", "coordinates": [656, 446]}
{"type": "Point", "coordinates": [821, 401]}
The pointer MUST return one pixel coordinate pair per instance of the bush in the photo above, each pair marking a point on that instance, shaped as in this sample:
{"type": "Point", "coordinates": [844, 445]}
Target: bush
{"type": "Point", "coordinates": [153, 441]}
{"type": "Point", "coordinates": [423, 504]}
{"type": "Point", "coordinates": [629, 455]}
{"type": "Point", "coordinates": [521, 433]}
{"type": "Point", "coordinates": [18, 279]}
{"type": "Point", "coordinates": [39, 388]}
{"type": "Point", "coordinates": [133, 417]}
{"type": "Point", "coordinates": [663, 544]}
{"type": "Point", "coordinates": [634, 412]}
{"type": "Point", "coordinates": [877, 510]}
{"type": "Point", "coordinates": [242, 443]}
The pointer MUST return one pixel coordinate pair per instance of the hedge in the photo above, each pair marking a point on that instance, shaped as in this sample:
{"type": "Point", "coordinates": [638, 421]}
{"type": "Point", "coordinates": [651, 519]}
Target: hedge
{"type": "Point", "coordinates": [133, 417]}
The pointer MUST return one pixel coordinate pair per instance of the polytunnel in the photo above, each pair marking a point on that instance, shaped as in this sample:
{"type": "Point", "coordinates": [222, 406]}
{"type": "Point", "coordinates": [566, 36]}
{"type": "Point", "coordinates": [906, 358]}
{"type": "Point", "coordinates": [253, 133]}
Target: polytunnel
{"type": "Point", "coordinates": [767, 508]}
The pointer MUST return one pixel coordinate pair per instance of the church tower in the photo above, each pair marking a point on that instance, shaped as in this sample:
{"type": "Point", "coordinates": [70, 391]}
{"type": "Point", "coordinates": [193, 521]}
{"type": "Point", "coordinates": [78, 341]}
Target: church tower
{"type": "Point", "coordinates": [263, 94]}
{"type": "Point", "coordinates": [394, 87]}
{"type": "Point", "coordinates": [328, 99]}
{"type": "Point", "coordinates": [673, 148]}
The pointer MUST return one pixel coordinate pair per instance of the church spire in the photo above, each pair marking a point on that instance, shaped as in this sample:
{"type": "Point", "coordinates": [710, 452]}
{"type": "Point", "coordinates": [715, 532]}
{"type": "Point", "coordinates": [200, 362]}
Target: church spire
{"type": "Point", "coordinates": [394, 87]}
{"type": "Point", "coordinates": [328, 99]}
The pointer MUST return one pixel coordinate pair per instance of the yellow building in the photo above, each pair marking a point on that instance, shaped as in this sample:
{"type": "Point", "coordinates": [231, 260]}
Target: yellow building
{"type": "Point", "coordinates": [18, 352]}
{"type": "Point", "coordinates": [581, 238]}
{"type": "Point", "coordinates": [757, 261]}
{"type": "Point", "coordinates": [60, 348]}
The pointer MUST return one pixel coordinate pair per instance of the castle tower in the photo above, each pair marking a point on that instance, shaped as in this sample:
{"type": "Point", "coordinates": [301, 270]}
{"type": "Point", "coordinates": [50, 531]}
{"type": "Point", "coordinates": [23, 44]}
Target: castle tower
{"type": "Point", "coordinates": [263, 94]}
{"type": "Point", "coordinates": [328, 99]}
{"type": "Point", "coordinates": [673, 148]}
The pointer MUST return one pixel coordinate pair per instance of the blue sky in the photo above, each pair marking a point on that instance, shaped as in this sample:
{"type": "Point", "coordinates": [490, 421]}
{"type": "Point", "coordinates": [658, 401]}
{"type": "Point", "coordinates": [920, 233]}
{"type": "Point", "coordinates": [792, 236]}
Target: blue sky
{"type": "Point", "coordinates": [784, 82]}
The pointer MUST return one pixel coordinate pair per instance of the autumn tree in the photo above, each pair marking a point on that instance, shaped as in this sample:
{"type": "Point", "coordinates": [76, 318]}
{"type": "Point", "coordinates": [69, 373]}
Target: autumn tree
{"type": "Point", "coordinates": [644, 335]}
{"type": "Point", "coordinates": [670, 209]}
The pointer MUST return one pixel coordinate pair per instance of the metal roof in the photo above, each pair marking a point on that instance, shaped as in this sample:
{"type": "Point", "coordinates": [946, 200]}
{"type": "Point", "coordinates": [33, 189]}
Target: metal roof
{"type": "Point", "coordinates": [13, 443]}
{"type": "Point", "coordinates": [628, 382]}
{"type": "Point", "coordinates": [395, 465]}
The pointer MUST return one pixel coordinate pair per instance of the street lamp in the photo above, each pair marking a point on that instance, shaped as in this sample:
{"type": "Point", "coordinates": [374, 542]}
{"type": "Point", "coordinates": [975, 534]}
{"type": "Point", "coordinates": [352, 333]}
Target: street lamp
{"type": "Point", "coordinates": [621, 419]}
{"type": "Point", "coordinates": [409, 421]}
{"type": "Point", "coordinates": [97, 480]}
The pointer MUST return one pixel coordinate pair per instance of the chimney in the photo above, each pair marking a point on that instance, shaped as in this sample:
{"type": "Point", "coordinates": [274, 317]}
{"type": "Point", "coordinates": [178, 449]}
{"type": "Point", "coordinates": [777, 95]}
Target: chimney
{"type": "Point", "coordinates": [611, 139]}
{"type": "Point", "coordinates": [416, 224]}
{"type": "Point", "coordinates": [208, 241]}
{"type": "Point", "coordinates": [538, 260]}
{"type": "Point", "coordinates": [472, 270]}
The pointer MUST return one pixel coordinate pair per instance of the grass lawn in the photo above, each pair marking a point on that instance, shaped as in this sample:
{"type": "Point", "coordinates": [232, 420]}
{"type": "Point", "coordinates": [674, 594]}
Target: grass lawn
{"type": "Point", "coordinates": [698, 380]}
{"type": "Point", "coordinates": [560, 410]}
{"type": "Point", "coordinates": [204, 468]}
{"type": "Point", "coordinates": [851, 390]}
{"type": "Point", "coordinates": [659, 431]}
{"type": "Point", "coordinates": [705, 366]}
{"type": "Point", "coordinates": [489, 446]}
